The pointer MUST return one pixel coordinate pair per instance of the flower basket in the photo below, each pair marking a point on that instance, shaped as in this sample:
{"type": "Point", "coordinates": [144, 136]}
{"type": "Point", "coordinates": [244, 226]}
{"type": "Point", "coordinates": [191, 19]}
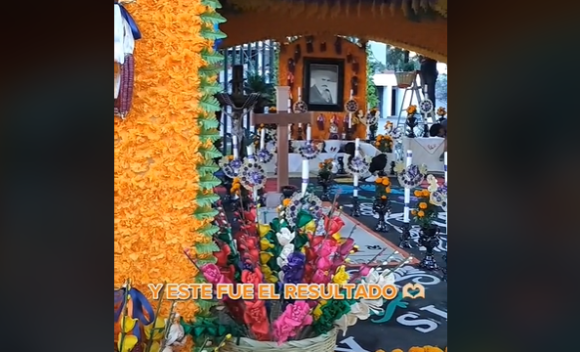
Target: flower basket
{"type": "Point", "coordinates": [321, 343]}
{"type": "Point", "coordinates": [405, 79]}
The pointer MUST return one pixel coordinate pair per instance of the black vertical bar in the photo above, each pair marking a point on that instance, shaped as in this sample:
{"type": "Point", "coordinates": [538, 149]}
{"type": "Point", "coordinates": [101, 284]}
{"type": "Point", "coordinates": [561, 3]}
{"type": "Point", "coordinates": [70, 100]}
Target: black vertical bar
{"type": "Point", "coordinates": [225, 53]}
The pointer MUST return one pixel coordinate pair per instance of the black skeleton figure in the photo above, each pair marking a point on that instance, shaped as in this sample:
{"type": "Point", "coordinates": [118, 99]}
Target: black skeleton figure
{"type": "Point", "coordinates": [237, 116]}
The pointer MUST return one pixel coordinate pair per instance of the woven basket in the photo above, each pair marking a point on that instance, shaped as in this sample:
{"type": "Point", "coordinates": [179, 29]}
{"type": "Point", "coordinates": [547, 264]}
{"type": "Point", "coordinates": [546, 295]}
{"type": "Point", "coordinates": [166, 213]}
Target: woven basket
{"type": "Point", "coordinates": [405, 79]}
{"type": "Point", "coordinates": [322, 343]}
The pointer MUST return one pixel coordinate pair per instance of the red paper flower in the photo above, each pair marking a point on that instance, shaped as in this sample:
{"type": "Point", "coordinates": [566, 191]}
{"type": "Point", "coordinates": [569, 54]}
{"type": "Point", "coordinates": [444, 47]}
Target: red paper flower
{"type": "Point", "coordinates": [255, 278]}
{"type": "Point", "coordinates": [256, 319]}
{"type": "Point", "coordinates": [333, 224]}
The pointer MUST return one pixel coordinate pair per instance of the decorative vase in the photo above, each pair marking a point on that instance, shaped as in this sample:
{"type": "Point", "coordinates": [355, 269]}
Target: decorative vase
{"type": "Point", "coordinates": [405, 79]}
{"type": "Point", "coordinates": [381, 207]}
{"type": "Point", "coordinates": [326, 184]}
{"type": "Point", "coordinates": [429, 238]}
{"type": "Point", "coordinates": [341, 170]}
{"type": "Point", "coordinates": [372, 134]}
{"type": "Point", "coordinates": [411, 124]}
{"type": "Point", "coordinates": [287, 191]}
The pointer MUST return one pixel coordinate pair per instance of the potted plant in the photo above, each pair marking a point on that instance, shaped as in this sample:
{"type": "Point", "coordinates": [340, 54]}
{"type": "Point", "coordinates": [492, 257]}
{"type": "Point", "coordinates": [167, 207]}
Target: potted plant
{"type": "Point", "coordinates": [384, 143]}
{"type": "Point", "coordinates": [381, 204]}
{"type": "Point", "coordinates": [256, 83]}
{"type": "Point", "coordinates": [424, 214]}
{"type": "Point", "coordinates": [406, 74]}
{"type": "Point", "coordinates": [325, 178]}
{"type": "Point", "coordinates": [412, 121]}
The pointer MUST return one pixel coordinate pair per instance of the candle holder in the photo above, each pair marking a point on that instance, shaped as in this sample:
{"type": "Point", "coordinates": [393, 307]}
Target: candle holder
{"type": "Point", "coordinates": [355, 207]}
{"type": "Point", "coordinates": [429, 239]}
{"type": "Point", "coordinates": [405, 238]}
{"type": "Point", "coordinates": [299, 136]}
{"type": "Point", "coordinates": [425, 130]}
{"type": "Point", "coordinates": [341, 170]}
{"type": "Point", "coordinates": [392, 170]}
{"type": "Point", "coordinates": [382, 207]}
{"type": "Point", "coordinates": [411, 124]}
{"type": "Point", "coordinates": [349, 133]}
{"type": "Point", "coordinates": [326, 184]}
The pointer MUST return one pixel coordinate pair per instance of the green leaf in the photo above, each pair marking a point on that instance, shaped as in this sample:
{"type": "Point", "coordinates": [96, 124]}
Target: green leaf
{"type": "Point", "coordinates": [210, 88]}
{"type": "Point", "coordinates": [211, 57]}
{"type": "Point", "coordinates": [205, 304]}
{"type": "Point", "coordinates": [206, 248]}
{"type": "Point", "coordinates": [208, 71]}
{"type": "Point", "coordinates": [208, 123]}
{"type": "Point", "coordinates": [209, 103]}
{"type": "Point", "coordinates": [202, 262]}
{"type": "Point", "coordinates": [209, 230]}
{"type": "Point", "coordinates": [205, 213]}
{"type": "Point", "coordinates": [208, 182]}
{"type": "Point", "coordinates": [211, 33]}
{"type": "Point", "coordinates": [214, 4]}
{"type": "Point", "coordinates": [209, 134]}
{"type": "Point", "coordinates": [210, 153]}
{"type": "Point", "coordinates": [206, 200]}
{"type": "Point", "coordinates": [212, 18]}
{"type": "Point", "coordinates": [207, 169]}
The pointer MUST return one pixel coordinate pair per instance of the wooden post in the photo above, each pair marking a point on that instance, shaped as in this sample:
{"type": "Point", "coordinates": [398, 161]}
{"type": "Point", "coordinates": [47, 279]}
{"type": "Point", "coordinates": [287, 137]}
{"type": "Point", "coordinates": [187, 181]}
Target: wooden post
{"type": "Point", "coordinates": [282, 119]}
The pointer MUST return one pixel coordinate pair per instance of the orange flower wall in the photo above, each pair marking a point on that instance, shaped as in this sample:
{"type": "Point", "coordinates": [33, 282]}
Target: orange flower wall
{"type": "Point", "coordinates": [348, 47]}
{"type": "Point", "coordinates": [156, 150]}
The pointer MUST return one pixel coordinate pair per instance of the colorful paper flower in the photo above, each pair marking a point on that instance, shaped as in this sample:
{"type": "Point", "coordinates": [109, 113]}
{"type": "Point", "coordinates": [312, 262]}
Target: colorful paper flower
{"type": "Point", "coordinates": [255, 317]}
{"type": "Point", "coordinates": [293, 271]}
{"type": "Point", "coordinates": [295, 317]}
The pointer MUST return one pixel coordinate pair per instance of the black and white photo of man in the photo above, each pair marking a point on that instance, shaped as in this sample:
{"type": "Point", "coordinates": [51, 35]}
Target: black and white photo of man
{"type": "Point", "coordinates": [323, 84]}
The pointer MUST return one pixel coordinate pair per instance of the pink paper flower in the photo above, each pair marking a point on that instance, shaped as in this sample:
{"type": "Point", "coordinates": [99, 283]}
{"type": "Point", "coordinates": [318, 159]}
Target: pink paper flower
{"type": "Point", "coordinates": [295, 317]}
{"type": "Point", "coordinates": [213, 274]}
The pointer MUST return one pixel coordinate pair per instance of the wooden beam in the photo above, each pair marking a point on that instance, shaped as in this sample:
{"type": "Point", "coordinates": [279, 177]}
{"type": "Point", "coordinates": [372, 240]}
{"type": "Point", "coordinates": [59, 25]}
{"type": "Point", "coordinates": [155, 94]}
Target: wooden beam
{"type": "Point", "coordinates": [283, 118]}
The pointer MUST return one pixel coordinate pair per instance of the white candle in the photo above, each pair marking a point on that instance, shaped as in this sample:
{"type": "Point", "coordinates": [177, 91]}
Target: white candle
{"type": "Point", "coordinates": [426, 88]}
{"type": "Point", "coordinates": [250, 151]}
{"type": "Point", "coordinates": [289, 104]}
{"type": "Point", "coordinates": [308, 133]}
{"type": "Point", "coordinates": [445, 165]}
{"type": "Point", "coordinates": [299, 124]}
{"type": "Point", "coordinates": [235, 147]}
{"type": "Point", "coordinates": [356, 176]}
{"type": "Point", "coordinates": [262, 138]}
{"type": "Point", "coordinates": [299, 92]}
{"type": "Point", "coordinates": [351, 93]}
{"type": "Point", "coordinates": [350, 120]}
{"type": "Point", "coordinates": [305, 174]}
{"type": "Point", "coordinates": [407, 190]}
{"type": "Point", "coordinates": [356, 147]}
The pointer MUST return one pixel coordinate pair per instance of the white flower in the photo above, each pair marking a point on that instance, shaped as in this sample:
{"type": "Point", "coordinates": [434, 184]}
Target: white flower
{"type": "Point", "coordinates": [286, 251]}
{"type": "Point", "coordinates": [433, 185]}
{"type": "Point", "coordinates": [285, 236]}
{"type": "Point", "coordinates": [358, 311]}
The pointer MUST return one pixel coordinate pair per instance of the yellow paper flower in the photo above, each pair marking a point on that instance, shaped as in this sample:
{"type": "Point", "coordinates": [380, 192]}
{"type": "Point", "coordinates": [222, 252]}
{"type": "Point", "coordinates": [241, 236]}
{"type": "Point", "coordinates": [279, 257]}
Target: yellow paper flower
{"type": "Point", "coordinates": [268, 274]}
{"type": "Point", "coordinates": [417, 193]}
{"type": "Point", "coordinates": [337, 236]}
{"type": "Point", "coordinates": [310, 227]}
{"type": "Point", "coordinates": [422, 205]}
{"type": "Point", "coordinates": [265, 244]}
{"type": "Point", "coordinates": [420, 213]}
{"type": "Point", "coordinates": [155, 347]}
{"type": "Point", "coordinates": [425, 193]}
{"type": "Point", "coordinates": [397, 350]}
{"type": "Point", "coordinates": [432, 349]}
{"type": "Point", "coordinates": [129, 342]}
{"type": "Point", "coordinates": [416, 349]}
{"type": "Point", "coordinates": [341, 277]}
{"type": "Point", "coordinates": [129, 324]}
{"type": "Point", "coordinates": [411, 110]}
{"type": "Point", "coordinates": [317, 312]}
{"type": "Point", "coordinates": [159, 329]}
{"type": "Point", "coordinates": [265, 257]}
{"type": "Point", "coordinates": [263, 230]}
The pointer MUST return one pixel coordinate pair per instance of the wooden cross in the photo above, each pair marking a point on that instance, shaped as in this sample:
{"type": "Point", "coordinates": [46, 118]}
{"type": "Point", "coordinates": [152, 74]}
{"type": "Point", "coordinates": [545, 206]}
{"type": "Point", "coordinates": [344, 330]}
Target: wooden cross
{"type": "Point", "coordinates": [282, 119]}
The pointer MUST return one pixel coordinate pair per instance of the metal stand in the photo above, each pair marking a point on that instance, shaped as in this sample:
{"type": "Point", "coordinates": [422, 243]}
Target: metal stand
{"type": "Point", "coordinates": [355, 207]}
{"type": "Point", "coordinates": [341, 170]}
{"type": "Point", "coordinates": [416, 90]}
{"type": "Point", "coordinates": [405, 238]}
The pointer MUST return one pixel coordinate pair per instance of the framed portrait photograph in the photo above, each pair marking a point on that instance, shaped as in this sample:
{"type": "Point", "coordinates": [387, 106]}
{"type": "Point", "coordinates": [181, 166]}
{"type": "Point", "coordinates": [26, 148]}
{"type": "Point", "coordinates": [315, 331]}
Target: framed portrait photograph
{"type": "Point", "coordinates": [323, 84]}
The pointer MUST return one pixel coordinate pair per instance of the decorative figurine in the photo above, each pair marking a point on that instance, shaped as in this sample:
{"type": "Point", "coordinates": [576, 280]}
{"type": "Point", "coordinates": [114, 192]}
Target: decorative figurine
{"type": "Point", "coordinates": [320, 122]}
{"type": "Point", "coordinates": [333, 127]}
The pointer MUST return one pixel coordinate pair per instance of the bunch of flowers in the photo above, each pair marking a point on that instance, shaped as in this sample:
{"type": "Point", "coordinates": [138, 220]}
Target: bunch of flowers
{"type": "Point", "coordinates": [425, 212]}
{"type": "Point", "coordinates": [384, 143]}
{"type": "Point", "coordinates": [419, 349]}
{"type": "Point", "coordinates": [411, 111]}
{"type": "Point", "coordinates": [303, 245]}
{"type": "Point", "coordinates": [236, 188]}
{"type": "Point", "coordinates": [382, 188]}
{"type": "Point", "coordinates": [325, 169]}
{"type": "Point", "coordinates": [441, 112]}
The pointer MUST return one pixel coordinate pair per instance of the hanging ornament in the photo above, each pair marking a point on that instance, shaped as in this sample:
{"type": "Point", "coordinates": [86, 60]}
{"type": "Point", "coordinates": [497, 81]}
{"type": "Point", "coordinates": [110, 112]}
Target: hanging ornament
{"type": "Point", "coordinates": [252, 175]}
{"type": "Point", "coordinates": [412, 176]}
{"type": "Point", "coordinates": [309, 150]}
{"type": "Point", "coordinates": [357, 165]}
